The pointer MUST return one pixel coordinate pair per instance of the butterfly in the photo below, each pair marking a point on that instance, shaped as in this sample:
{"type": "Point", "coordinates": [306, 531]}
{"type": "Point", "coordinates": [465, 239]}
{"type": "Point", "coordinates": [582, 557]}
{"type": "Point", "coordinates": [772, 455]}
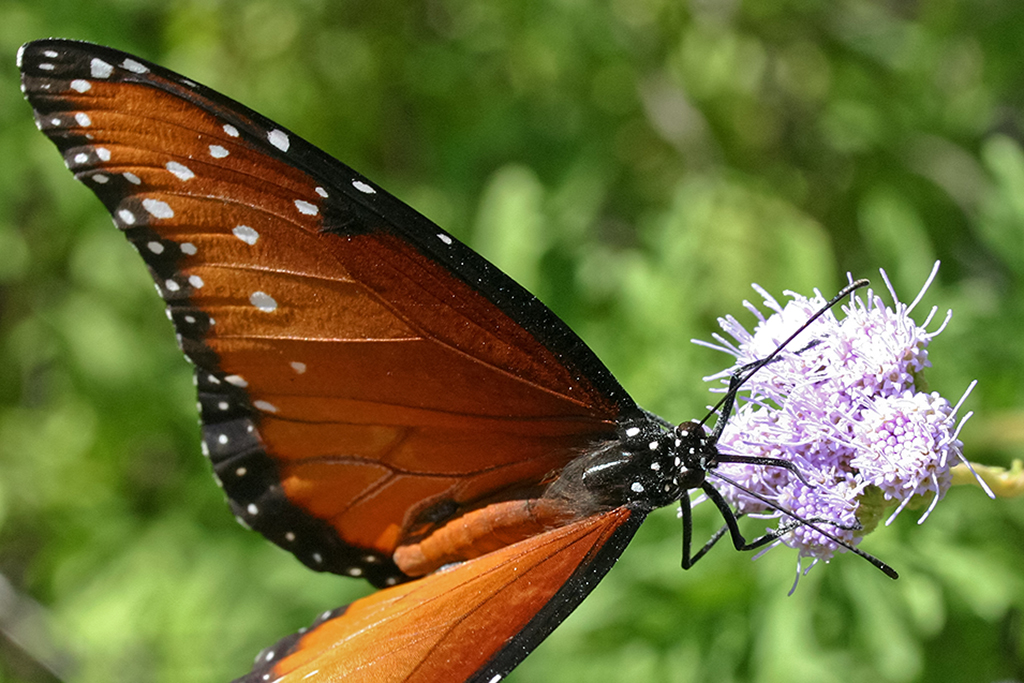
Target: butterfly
{"type": "Point", "coordinates": [375, 397]}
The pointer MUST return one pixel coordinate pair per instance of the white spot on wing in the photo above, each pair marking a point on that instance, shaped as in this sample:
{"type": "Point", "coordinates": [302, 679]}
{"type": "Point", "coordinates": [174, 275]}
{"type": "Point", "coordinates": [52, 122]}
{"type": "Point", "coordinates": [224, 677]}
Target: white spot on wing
{"type": "Point", "coordinates": [158, 208]}
{"type": "Point", "coordinates": [180, 171]}
{"type": "Point", "coordinates": [103, 153]}
{"type": "Point", "coordinates": [236, 380]}
{"type": "Point", "coordinates": [132, 178]}
{"type": "Point", "coordinates": [196, 281]}
{"type": "Point", "coordinates": [246, 234]}
{"type": "Point", "coordinates": [100, 69]}
{"type": "Point", "coordinates": [80, 85]}
{"type": "Point", "coordinates": [82, 119]}
{"type": "Point", "coordinates": [363, 187]}
{"type": "Point", "coordinates": [155, 247]}
{"type": "Point", "coordinates": [298, 367]}
{"type": "Point", "coordinates": [322, 192]}
{"type": "Point", "coordinates": [306, 208]}
{"type": "Point", "coordinates": [100, 178]}
{"type": "Point", "coordinates": [133, 66]}
{"type": "Point", "coordinates": [188, 248]}
{"type": "Point", "coordinates": [46, 67]}
{"type": "Point", "coordinates": [253, 510]}
{"type": "Point", "coordinates": [230, 130]}
{"type": "Point", "coordinates": [279, 139]}
{"type": "Point", "coordinates": [81, 158]}
{"type": "Point", "coordinates": [444, 238]}
{"type": "Point", "coordinates": [263, 301]}
{"type": "Point", "coordinates": [218, 152]}
{"type": "Point", "coordinates": [265, 406]}
{"type": "Point", "coordinates": [126, 216]}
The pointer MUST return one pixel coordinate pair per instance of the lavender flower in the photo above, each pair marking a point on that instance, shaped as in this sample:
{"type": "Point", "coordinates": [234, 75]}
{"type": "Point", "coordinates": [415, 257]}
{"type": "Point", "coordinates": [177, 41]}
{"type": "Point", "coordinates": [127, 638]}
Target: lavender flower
{"type": "Point", "coordinates": [843, 403]}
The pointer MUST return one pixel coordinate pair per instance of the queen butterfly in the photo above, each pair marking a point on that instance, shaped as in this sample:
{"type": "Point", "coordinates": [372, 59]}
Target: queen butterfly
{"type": "Point", "coordinates": [376, 398]}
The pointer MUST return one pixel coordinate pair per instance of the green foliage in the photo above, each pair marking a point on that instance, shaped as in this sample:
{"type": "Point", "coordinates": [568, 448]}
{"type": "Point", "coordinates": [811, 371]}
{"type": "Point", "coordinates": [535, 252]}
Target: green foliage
{"type": "Point", "coordinates": [637, 163]}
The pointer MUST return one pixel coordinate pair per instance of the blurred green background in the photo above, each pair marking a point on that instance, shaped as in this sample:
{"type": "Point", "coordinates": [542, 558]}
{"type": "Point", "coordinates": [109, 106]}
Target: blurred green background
{"type": "Point", "coordinates": [637, 164]}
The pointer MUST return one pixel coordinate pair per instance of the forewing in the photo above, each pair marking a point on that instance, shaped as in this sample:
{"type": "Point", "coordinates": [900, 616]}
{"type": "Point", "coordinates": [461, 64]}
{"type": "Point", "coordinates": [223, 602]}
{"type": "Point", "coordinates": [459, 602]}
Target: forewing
{"type": "Point", "coordinates": [362, 375]}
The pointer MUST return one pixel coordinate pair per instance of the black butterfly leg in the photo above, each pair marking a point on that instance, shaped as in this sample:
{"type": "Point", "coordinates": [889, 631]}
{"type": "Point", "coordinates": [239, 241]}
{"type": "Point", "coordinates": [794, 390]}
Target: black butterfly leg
{"type": "Point", "coordinates": [731, 525]}
{"type": "Point", "coordinates": [687, 516]}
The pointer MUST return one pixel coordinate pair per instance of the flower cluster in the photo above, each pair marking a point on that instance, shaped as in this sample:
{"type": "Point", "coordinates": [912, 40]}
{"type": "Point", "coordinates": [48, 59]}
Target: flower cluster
{"type": "Point", "coordinates": [843, 403]}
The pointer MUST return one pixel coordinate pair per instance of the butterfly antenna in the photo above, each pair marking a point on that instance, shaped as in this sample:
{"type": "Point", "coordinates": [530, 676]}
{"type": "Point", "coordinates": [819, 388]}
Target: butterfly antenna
{"type": "Point", "coordinates": [803, 521]}
{"type": "Point", "coordinates": [724, 406]}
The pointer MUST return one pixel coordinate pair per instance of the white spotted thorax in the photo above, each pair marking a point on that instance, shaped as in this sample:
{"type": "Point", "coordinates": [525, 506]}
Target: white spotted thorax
{"type": "Point", "coordinates": [649, 466]}
{"type": "Point", "coordinates": [842, 404]}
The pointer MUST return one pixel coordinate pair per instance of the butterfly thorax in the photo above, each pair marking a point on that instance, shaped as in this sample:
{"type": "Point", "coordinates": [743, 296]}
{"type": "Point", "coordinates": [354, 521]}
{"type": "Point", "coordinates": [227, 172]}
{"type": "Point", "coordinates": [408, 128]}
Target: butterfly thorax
{"type": "Point", "coordinates": [647, 465]}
